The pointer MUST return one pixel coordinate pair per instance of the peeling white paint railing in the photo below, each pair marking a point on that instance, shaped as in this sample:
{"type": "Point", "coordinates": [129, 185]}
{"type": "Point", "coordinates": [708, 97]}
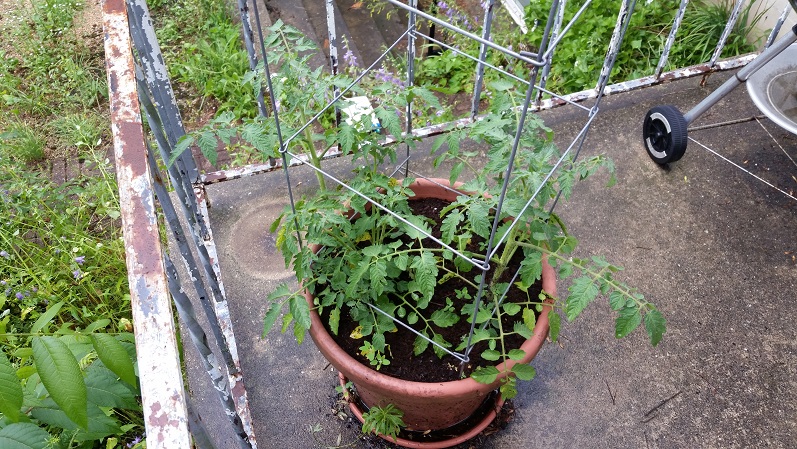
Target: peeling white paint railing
{"type": "Point", "coordinates": [137, 78]}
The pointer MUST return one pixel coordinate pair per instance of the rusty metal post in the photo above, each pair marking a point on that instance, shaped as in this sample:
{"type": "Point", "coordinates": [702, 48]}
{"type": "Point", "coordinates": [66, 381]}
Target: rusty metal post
{"type": "Point", "coordinates": [163, 397]}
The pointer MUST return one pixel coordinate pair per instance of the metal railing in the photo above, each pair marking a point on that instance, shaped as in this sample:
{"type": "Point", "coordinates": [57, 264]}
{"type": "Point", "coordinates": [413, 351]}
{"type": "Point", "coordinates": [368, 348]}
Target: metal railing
{"type": "Point", "coordinates": [138, 82]}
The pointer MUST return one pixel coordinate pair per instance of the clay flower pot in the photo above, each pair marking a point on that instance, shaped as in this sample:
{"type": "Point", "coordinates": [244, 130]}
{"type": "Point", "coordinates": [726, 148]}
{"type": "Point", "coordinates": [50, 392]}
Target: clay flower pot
{"type": "Point", "coordinates": [427, 406]}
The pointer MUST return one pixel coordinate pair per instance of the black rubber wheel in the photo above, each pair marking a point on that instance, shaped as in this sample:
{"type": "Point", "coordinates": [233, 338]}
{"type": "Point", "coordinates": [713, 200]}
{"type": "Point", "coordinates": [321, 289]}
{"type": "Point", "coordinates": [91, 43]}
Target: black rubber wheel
{"type": "Point", "coordinates": [664, 134]}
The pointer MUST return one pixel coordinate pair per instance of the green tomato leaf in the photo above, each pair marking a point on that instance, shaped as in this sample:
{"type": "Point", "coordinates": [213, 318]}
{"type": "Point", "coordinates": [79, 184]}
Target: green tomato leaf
{"type": "Point", "coordinates": [420, 345]}
{"type": "Point", "coordinates": [517, 354]}
{"type": "Point", "coordinates": [655, 325]}
{"type": "Point", "coordinates": [524, 372]}
{"type": "Point", "coordinates": [300, 311]}
{"type": "Point", "coordinates": [582, 292]}
{"type": "Point", "coordinates": [491, 355]}
{"type": "Point", "coordinates": [529, 318]}
{"type": "Point", "coordinates": [511, 308]}
{"type": "Point", "coordinates": [114, 357]}
{"type": "Point", "coordinates": [444, 318]}
{"type": "Point", "coordinates": [334, 320]}
{"type": "Point", "coordinates": [10, 390]}
{"type": "Point", "coordinates": [485, 375]}
{"type": "Point", "coordinates": [554, 324]}
{"type": "Point", "coordinates": [628, 320]}
{"type": "Point", "coordinates": [616, 301]}
{"type": "Point", "coordinates": [271, 317]}
{"type": "Point", "coordinates": [61, 376]}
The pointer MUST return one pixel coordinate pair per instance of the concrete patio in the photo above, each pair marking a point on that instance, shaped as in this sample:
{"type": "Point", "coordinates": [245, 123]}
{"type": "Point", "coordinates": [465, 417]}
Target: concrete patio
{"type": "Point", "coordinates": [713, 247]}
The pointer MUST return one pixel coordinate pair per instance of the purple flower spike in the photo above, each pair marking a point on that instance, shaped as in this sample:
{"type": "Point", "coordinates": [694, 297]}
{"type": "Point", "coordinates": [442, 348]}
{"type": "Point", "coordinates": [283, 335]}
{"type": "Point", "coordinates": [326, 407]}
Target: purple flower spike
{"type": "Point", "coordinates": [4, 254]}
{"type": "Point", "coordinates": [80, 259]}
{"type": "Point", "coordinates": [76, 274]}
{"type": "Point", "coordinates": [20, 296]}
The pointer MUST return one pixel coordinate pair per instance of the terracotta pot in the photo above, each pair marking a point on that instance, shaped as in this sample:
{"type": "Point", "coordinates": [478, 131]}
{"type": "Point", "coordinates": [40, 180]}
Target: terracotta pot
{"type": "Point", "coordinates": [426, 406]}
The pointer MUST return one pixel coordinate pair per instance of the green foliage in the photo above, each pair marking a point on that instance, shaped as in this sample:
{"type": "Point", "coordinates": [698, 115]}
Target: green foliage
{"type": "Point", "coordinates": [385, 420]}
{"type": "Point", "coordinates": [62, 282]}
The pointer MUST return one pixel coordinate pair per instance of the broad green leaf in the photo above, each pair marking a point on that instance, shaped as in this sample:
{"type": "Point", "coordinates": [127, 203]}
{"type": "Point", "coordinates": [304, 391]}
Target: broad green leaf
{"type": "Point", "coordinates": [529, 318]}
{"type": "Point", "coordinates": [46, 317]}
{"type": "Point", "coordinates": [419, 223]}
{"type": "Point", "coordinates": [655, 325]}
{"type": "Point", "coordinates": [280, 292]}
{"type": "Point", "coordinates": [425, 275]}
{"type": "Point", "coordinates": [582, 292]}
{"type": "Point", "coordinates": [23, 436]}
{"type": "Point", "coordinates": [485, 375]}
{"type": "Point", "coordinates": [61, 376]}
{"type": "Point", "coordinates": [105, 390]}
{"type": "Point", "coordinates": [451, 224]}
{"type": "Point", "coordinates": [491, 355]}
{"type": "Point", "coordinates": [271, 317]}
{"type": "Point", "coordinates": [334, 320]}
{"type": "Point", "coordinates": [10, 390]}
{"type": "Point", "coordinates": [437, 338]}
{"type": "Point", "coordinates": [616, 301]}
{"type": "Point", "coordinates": [516, 354]}
{"type": "Point", "coordinates": [114, 357]}
{"type": "Point", "coordinates": [420, 345]}
{"type": "Point", "coordinates": [455, 172]}
{"type": "Point", "coordinates": [444, 318]}
{"type": "Point", "coordinates": [511, 308]}
{"type": "Point", "coordinates": [554, 323]}
{"type": "Point", "coordinates": [479, 218]}
{"type": "Point", "coordinates": [524, 372]}
{"type": "Point", "coordinates": [300, 311]}
{"type": "Point", "coordinates": [378, 275]}
{"type": "Point", "coordinates": [523, 330]}
{"type": "Point", "coordinates": [628, 320]}
{"type": "Point", "coordinates": [299, 332]}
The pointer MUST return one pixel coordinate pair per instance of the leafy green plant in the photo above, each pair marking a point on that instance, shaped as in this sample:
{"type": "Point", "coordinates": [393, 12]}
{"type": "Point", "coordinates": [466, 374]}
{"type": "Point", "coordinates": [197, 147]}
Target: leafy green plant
{"type": "Point", "coordinates": [62, 284]}
{"type": "Point", "coordinates": [375, 259]}
{"type": "Point", "coordinates": [383, 421]}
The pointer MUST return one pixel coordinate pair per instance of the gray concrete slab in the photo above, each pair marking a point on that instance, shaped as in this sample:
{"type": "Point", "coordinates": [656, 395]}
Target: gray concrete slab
{"type": "Point", "coordinates": [710, 245]}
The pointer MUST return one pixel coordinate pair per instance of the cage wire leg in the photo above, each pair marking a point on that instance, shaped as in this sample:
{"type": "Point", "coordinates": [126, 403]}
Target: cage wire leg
{"type": "Point", "coordinates": [489, 14]}
{"type": "Point", "coordinates": [491, 247]}
{"type": "Point", "coordinates": [249, 37]}
{"type": "Point", "coordinates": [546, 70]}
{"type": "Point", "coordinates": [620, 28]}
{"type": "Point", "coordinates": [411, 28]}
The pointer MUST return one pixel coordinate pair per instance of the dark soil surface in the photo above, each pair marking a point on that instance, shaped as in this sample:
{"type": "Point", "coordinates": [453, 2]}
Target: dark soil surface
{"type": "Point", "coordinates": [427, 367]}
